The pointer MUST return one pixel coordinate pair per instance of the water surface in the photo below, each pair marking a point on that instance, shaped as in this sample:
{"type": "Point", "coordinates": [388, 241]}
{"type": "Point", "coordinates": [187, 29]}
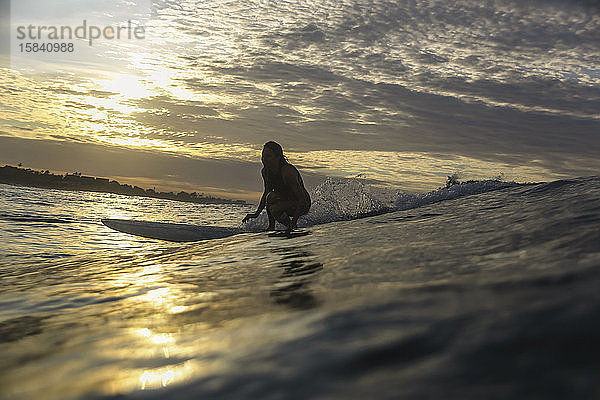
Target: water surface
{"type": "Point", "coordinates": [465, 292]}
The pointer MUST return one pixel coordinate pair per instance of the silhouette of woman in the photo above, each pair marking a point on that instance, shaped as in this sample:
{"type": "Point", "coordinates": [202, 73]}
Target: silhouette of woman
{"type": "Point", "coordinates": [284, 196]}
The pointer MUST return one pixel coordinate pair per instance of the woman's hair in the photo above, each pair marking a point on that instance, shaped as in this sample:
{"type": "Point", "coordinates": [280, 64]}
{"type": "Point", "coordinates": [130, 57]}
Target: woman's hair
{"type": "Point", "coordinates": [278, 150]}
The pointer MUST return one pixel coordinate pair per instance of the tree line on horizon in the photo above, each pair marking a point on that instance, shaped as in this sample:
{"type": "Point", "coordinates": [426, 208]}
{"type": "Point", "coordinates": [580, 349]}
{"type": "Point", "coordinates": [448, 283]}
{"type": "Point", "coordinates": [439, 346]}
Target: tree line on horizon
{"type": "Point", "coordinates": [76, 181]}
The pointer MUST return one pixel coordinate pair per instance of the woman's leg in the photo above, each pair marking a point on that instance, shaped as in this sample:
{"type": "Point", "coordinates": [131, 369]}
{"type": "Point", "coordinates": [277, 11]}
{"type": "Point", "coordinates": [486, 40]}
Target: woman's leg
{"type": "Point", "coordinates": [276, 210]}
{"type": "Point", "coordinates": [270, 200]}
{"type": "Point", "coordinates": [291, 209]}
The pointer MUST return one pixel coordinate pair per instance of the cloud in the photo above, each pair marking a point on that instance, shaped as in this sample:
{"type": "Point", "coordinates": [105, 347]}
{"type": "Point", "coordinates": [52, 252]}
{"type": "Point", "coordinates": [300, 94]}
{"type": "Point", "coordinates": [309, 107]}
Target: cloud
{"type": "Point", "coordinates": [506, 81]}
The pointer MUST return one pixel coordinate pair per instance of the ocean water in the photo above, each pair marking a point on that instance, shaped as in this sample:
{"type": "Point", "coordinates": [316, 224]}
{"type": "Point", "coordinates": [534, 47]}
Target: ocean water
{"type": "Point", "coordinates": [482, 290]}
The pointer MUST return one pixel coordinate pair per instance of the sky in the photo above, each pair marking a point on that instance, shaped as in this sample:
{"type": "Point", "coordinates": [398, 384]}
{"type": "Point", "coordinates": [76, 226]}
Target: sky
{"type": "Point", "coordinates": [402, 93]}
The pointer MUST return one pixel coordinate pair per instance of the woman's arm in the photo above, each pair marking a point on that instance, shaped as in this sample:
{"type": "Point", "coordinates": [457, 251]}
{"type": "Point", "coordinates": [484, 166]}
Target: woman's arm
{"type": "Point", "coordinates": [263, 198]}
{"type": "Point", "coordinates": [261, 205]}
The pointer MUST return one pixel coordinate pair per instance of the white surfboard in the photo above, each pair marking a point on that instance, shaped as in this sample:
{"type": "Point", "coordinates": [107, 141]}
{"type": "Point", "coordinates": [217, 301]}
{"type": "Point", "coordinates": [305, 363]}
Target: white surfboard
{"type": "Point", "coordinates": [168, 231]}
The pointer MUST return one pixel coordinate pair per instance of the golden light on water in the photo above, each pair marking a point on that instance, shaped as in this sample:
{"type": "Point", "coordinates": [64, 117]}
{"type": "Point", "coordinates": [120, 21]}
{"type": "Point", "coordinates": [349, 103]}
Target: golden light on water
{"type": "Point", "coordinates": [128, 316]}
{"type": "Point", "coordinates": [151, 342]}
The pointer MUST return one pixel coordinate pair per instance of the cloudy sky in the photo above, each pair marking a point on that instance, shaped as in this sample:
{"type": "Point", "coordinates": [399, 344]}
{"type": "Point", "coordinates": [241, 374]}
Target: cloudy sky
{"type": "Point", "coordinates": [399, 92]}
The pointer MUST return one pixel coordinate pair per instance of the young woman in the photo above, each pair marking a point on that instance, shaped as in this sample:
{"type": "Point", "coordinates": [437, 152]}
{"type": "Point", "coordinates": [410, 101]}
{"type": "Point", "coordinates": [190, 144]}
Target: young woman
{"type": "Point", "coordinates": [284, 196]}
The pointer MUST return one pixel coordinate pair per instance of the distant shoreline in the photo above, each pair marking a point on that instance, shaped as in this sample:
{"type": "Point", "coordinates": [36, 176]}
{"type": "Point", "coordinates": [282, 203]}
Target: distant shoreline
{"type": "Point", "coordinates": [45, 180]}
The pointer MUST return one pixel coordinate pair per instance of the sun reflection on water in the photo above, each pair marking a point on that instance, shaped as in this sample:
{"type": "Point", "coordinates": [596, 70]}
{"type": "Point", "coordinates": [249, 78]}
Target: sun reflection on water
{"type": "Point", "coordinates": [145, 317]}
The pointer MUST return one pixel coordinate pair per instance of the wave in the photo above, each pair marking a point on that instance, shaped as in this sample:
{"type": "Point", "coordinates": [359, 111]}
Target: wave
{"type": "Point", "coordinates": [342, 199]}
{"type": "Point", "coordinates": [349, 198]}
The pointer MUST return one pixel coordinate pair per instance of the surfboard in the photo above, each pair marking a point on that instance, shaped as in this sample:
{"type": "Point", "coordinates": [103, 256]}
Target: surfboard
{"type": "Point", "coordinates": [168, 231]}
{"type": "Point", "coordinates": [289, 235]}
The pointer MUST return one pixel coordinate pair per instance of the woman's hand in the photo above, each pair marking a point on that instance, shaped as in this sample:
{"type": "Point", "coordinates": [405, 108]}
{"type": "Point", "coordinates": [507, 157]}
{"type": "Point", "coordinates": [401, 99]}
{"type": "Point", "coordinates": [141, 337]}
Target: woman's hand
{"type": "Point", "coordinates": [249, 217]}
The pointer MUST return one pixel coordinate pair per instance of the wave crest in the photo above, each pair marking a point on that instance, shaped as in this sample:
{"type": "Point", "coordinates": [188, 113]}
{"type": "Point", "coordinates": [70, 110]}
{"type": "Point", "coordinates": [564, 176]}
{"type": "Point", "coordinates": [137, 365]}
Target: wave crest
{"type": "Point", "coordinates": [342, 199]}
